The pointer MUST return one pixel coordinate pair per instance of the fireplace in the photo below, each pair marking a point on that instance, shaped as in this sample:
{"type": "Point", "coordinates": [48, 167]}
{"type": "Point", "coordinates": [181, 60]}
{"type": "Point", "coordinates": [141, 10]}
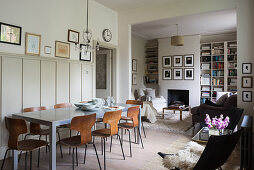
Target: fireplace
{"type": "Point", "coordinates": [178, 97]}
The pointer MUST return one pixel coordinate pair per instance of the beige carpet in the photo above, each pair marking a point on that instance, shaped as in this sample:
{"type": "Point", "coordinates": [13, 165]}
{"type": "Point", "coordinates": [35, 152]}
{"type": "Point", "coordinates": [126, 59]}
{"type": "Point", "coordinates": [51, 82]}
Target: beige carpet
{"type": "Point", "coordinates": [172, 122]}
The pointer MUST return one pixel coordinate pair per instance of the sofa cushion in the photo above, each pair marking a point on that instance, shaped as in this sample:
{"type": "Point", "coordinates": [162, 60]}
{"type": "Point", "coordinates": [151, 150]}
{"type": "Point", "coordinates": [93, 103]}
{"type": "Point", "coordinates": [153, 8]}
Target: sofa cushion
{"type": "Point", "coordinates": [138, 93]}
{"type": "Point", "coordinates": [210, 103]}
{"type": "Point", "coordinates": [150, 92]}
{"type": "Point", "coordinates": [222, 100]}
{"type": "Point", "coordinates": [231, 101]}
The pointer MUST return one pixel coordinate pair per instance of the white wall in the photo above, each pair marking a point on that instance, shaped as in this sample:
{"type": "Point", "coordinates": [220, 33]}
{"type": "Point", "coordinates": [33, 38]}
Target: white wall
{"type": "Point", "coordinates": [218, 37]}
{"type": "Point", "coordinates": [191, 46]}
{"type": "Point", "coordinates": [52, 19]}
{"type": "Point", "coordinates": [138, 53]}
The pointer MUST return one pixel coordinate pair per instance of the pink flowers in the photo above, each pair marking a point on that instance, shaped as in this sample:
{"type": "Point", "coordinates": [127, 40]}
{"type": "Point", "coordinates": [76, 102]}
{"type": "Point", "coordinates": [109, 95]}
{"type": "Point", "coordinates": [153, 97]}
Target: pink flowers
{"type": "Point", "coordinates": [217, 123]}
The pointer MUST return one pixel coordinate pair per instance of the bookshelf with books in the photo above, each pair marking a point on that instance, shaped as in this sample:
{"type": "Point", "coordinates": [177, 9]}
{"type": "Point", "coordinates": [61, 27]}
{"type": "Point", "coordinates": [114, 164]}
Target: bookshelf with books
{"type": "Point", "coordinates": [218, 65]}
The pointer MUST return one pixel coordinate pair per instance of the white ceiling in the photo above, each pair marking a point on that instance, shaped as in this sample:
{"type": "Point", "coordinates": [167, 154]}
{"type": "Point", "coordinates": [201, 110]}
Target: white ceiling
{"type": "Point", "coordinates": [206, 23]}
{"type": "Point", "coordinates": [123, 5]}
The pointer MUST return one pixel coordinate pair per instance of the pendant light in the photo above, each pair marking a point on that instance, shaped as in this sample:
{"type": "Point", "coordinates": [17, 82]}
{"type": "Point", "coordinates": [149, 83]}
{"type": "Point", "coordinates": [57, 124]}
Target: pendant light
{"type": "Point", "coordinates": [177, 40]}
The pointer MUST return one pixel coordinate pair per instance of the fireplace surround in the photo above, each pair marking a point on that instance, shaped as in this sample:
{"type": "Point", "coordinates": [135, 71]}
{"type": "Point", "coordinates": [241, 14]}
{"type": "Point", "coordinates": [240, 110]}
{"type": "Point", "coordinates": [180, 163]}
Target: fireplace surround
{"type": "Point", "coordinates": [176, 96]}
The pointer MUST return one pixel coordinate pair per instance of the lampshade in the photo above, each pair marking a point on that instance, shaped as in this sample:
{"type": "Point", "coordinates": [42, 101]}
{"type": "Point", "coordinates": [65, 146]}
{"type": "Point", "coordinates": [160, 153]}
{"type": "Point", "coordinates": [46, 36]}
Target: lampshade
{"type": "Point", "coordinates": [177, 40]}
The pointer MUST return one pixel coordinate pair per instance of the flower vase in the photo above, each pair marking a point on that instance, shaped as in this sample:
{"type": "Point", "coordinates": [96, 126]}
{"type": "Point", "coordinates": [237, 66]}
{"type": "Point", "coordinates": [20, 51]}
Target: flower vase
{"type": "Point", "coordinates": [213, 131]}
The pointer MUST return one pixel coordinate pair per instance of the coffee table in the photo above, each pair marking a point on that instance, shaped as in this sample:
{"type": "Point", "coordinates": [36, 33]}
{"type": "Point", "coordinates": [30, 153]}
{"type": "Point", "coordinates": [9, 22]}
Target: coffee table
{"type": "Point", "coordinates": [174, 108]}
{"type": "Point", "coordinates": [203, 135]}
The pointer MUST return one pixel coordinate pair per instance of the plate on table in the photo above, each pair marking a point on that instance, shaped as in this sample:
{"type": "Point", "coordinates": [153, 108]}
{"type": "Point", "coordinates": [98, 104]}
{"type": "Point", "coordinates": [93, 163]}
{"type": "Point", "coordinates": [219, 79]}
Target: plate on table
{"type": "Point", "coordinates": [79, 104]}
{"type": "Point", "coordinates": [91, 110]}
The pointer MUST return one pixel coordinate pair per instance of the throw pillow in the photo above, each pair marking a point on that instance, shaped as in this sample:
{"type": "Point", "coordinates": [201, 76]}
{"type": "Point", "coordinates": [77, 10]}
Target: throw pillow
{"type": "Point", "coordinates": [222, 100]}
{"type": "Point", "coordinates": [210, 103]}
{"type": "Point", "coordinates": [150, 92]}
{"type": "Point", "coordinates": [231, 101]}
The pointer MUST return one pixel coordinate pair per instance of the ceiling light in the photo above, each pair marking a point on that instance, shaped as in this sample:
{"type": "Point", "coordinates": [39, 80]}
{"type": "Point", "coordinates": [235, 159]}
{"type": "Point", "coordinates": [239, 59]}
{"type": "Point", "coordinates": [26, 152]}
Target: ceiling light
{"type": "Point", "coordinates": [177, 40]}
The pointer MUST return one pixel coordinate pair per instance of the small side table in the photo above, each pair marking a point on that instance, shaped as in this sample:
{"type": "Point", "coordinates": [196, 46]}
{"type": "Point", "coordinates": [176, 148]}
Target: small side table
{"type": "Point", "coordinates": [175, 109]}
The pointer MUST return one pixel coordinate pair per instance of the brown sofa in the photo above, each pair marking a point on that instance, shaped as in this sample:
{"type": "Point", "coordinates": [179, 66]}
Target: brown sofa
{"type": "Point", "coordinates": [228, 108]}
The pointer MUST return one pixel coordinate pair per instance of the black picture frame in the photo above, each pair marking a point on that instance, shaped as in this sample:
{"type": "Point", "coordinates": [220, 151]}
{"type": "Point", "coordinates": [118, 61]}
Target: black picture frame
{"type": "Point", "coordinates": [185, 75]}
{"type": "Point", "coordinates": [186, 58]}
{"type": "Point", "coordinates": [72, 35]}
{"type": "Point", "coordinates": [177, 60]}
{"type": "Point", "coordinates": [244, 93]}
{"type": "Point", "coordinates": [82, 57]}
{"type": "Point", "coordinates": [167, 61]}
{"type": "Point", "coordinates": [181, 73]}
{"type": "Point", "coordinates": [244, 66]}
{"type": "Point", "coordinates": [164, 71]}
{"type": "Point", "coordinates": [9, 25]}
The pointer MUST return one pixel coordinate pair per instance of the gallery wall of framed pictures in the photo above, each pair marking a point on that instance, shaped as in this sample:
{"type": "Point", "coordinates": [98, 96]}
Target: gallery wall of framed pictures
{"type": "Point", "coordinates": [247, 82]}
{"type": "Point", "coordinates": [178, 67]}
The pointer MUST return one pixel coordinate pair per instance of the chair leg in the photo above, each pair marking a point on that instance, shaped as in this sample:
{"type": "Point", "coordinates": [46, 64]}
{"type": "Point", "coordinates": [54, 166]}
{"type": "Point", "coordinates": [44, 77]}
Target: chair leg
{"type": "Point", "coordinates": [60, 145]}
{"type": "Point", "coordinates": [85, 154]}
{"type": "Point", "coordinates": [77, 155]}
{"type": "Point", "coordinates": [97, 156]}
{"type": "Point", "coordinates": [110, 143]}
{"type": "Point", "coordinates": [143, 129]}
{"type": "Point", "coordinates": [26, 161]}
{"type": "Point", "coordinates": [134, 129]}
{"type": "Point", "coordinates": [130, 142]}
{"type": "Point", "coordinates": [104, 153]}
{"type": "Point", "coordinates": [101, 146]}
{"type": "Point", "coordinates": [140, 138]}
{"type": "Point", "coordinates": [121, 147]}
{"type": "Point", "coordinates": [70, 147]}
{"type": "Point", "coordinates": [73, 150]}
{"type": "Point", "coordinates": [39, 157]}
{"type": "Point", "coordinates": [31, 159]}
{"type": "Point", "coordinates": [4, 158]}
{"type": "Point", "coordinates": [46, 141]}
{"type": "Point", "coordinates": [121, 135]}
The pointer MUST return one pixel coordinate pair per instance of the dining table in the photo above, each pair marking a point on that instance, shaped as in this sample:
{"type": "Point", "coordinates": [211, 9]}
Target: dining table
{"type": "Point", "coordinates": [56, 117]}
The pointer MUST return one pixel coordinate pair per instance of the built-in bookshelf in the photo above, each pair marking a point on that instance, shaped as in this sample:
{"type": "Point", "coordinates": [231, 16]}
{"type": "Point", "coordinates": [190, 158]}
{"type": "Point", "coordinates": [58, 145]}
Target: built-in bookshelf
{"type": "Point", "coordinates": [218, 68]}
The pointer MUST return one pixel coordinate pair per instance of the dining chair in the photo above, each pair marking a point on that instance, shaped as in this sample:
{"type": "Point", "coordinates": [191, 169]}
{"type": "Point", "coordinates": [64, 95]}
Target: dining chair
{"type": "Point", "coordinates": [136, 102]}
{"type": "Point", "coordinates": [82, 124]}
{"type": "Point", "coordinates": [15, 128]}
{"type": "Point", "coordinates": [35, 128]}
{"type": "Point", "coordinates": [132, 123]}
{"type": "Point", "coordinates": [111, 119]}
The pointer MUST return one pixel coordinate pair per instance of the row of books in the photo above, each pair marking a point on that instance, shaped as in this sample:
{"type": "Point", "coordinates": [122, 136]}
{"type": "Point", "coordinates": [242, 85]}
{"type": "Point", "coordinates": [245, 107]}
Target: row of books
{"type": "Point", "coordinates": [217, 82]}
{"type": "Point", "coordinates": [232, 72]}
{"type": "Point", "coordinates": [232, 51]}
{"type": "Point", "coordinates": [217, 65]}
{"type": "Point", "coordinates": [217, 73]}
{"type": "Point", "coordinates": [218, 58]}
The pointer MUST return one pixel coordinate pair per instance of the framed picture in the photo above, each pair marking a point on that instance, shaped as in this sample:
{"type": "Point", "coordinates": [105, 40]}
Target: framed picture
{"type": "Point", "coordinates": [10, 34]}
{"type": "Point", "coordinates": [134, 65]}
{"type": "Point", "coordinates": [166, 61]}
{"type": "Point", "coordinates": [189, 74]}
{"type": "Point", "coordinates": [247, 82]}
{"type": "Point", "coordinates": [178, 74]}
{"type": "Point", "coordinates": [247, 96]}
{"type": "Point", "coordinates": [47, 50]}
{"type": "Point", "coordinates": [73, 36]}
{"type": "Point", "coordinates": [178, 61]}
{"type": "Point", "coordinates": [247, 68]}
{"type": "Point", "coordinates": [33, 44]}
{"type": "Point", "coordinates": [85, 56]}
{"type": "Point", "coordinates": [167, 75]}
{"type": "Point", "coordinates": [62, 49]}
{"type": "Point", "coordinates": [189, 60]}
{"type": "Point", "coordinates": [134, 78]}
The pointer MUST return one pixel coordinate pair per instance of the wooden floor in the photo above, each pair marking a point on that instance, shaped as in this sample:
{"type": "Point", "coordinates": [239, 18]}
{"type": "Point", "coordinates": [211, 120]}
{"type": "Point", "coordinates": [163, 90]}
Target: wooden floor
{"type": "Point", "coordinates": [156, 141]}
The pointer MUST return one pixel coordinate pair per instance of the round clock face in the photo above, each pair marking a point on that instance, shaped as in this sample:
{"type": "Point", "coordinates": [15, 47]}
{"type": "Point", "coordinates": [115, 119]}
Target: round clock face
{"type": "Point", "coordinates": [107, 35]}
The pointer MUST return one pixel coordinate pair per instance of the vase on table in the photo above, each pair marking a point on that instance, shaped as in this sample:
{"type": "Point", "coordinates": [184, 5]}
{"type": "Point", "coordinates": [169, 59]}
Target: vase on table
{"type": "Point", "coordinates": [214, 131]}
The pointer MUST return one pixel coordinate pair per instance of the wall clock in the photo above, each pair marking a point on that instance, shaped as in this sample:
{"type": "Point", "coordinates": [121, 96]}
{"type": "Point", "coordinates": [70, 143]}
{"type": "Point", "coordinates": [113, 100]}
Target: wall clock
{"type": "Point", "coordinates": [107, 35]}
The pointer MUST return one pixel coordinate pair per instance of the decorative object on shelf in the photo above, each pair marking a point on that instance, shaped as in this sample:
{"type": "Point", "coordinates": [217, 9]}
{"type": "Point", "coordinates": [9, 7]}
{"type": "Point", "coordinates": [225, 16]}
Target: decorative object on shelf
{"type": "Point", "coordinates": [189, 74]}
{"type": "Point", "coordinates": [47, 50]}
{"type": "Point", "coordinates": [33, 44]}
{"type": "Point", "coordinates": [62, 49]}
{"type": "Point", "coordinates": [177, 40]}
{"type": "Point", "coordinates": [87, 37]}
{"type": "Point", "coordinates": [134, 79]}
{"type": "Point", "coordinates": [166, 61]}
{"type": "Point", "coordinates": [85, 56]}
{"type": "Point", "coordinates": [247, 96]}
{"type": "Point", "coordinates": [189, 60]}
{"type": "Point", "coordinates": [178, 73]}
{"type": "Point", "coordinates": [167, 74]}
{"type": "Point", "coordinates": [178, 61]}
{"type": "Point", "coordinates": [247, 81]}
{"type": "Point", "coordinates": [106, 35]}
{"type": "Point", "coordinates": [216, 125]}
{"type": "Point", "coordinates": [73, 36]}
{"type": "Point", "coordinates": [134, 65]}
{"type": "Point", "coordinates": [247, 68]}
{"type": "Point", "coordinates": [10, 34]}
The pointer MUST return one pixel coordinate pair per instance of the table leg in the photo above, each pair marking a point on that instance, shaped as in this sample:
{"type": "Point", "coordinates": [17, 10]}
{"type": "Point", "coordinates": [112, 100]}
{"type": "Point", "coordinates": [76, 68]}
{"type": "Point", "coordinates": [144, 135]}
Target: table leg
{"type": "Point", "coordinates": [181, 115]}
{"type": "Point", "coordinates": [163, 113]}
{"type": "Point", "coordinates": [139, 125]}
{"type": "Point", "coordinates": [52, 142]}
{"type": "Point", "coordinates": [174, 111]}
{"type": "Point", "coordinates": [14, 159]}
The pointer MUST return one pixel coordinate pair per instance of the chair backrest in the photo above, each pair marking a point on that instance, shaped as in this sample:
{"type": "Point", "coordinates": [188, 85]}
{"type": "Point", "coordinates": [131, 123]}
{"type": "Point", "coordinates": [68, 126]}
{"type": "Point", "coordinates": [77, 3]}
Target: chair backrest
{"type": "Point", "coordinates": [84, 124]}
{"type": "Point", "coordinates": [15, 127]}
{"type": "Point", "coordinates": [235, 116]}
{"type": "Point", "coordinates": [217, 151]}
{"type": "Point", "coordinates": [62, 105]}
{"type": "Point", "coordinates": [133, 114]}
{"type": "Point", "coordinates": [34, 127]}
{"type": "Point", "coordinates": [136, 102]}
{"type": "Point", "coordinates": [112, 118]}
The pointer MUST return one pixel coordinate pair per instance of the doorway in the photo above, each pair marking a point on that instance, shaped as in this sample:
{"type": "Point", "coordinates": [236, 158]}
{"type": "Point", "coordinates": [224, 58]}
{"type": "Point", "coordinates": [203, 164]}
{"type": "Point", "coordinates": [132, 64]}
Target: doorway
{"type": "Point", "coordinates": [104, 71]}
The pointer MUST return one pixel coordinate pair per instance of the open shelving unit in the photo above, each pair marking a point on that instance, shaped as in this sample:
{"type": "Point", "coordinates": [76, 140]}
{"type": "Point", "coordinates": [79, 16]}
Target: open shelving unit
{"type": "Point", "coordinates": [218, 68]}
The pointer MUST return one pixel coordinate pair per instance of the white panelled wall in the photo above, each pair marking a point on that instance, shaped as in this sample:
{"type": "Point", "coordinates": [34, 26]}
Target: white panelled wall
{"type": "Point", "coordinates": [39, 81]}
